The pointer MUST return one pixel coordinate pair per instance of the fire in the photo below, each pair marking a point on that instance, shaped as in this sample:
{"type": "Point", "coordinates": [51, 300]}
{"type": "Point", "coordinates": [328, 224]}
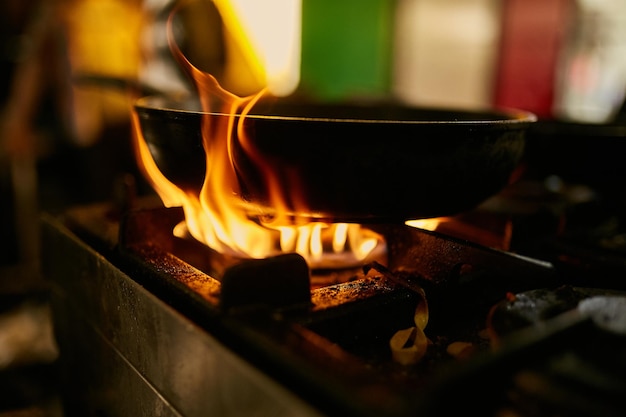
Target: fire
{"type": "Point", "coordinates": [217, 216]}
{"type": "Point", "coordinates": [427, 224]}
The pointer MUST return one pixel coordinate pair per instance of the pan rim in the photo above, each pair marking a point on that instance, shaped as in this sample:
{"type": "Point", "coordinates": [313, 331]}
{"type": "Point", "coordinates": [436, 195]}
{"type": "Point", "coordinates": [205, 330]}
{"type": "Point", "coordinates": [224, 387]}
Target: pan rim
{"type": "Point", "coordinates": [491, 117]}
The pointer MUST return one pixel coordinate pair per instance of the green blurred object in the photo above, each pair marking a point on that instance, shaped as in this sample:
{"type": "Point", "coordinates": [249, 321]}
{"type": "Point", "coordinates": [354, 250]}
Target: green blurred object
{"type": "Point", "coordinates": [346, 48]}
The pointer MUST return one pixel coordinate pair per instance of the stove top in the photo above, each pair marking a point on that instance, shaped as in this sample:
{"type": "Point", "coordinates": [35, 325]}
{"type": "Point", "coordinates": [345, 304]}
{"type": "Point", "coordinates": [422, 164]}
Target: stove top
{"type": "Point", "coordinates": [142, 319]}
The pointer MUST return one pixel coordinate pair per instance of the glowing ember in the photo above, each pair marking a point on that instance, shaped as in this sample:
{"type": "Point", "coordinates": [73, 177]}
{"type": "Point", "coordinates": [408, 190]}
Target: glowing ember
{"type": "Point", "coordinates": [217, 216]}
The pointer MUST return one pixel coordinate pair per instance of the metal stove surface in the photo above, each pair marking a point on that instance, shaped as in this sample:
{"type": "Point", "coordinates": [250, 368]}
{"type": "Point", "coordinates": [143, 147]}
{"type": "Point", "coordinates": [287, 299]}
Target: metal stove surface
{"type": "Point", "coordinates": [126, 352]}
{"type": "Point", "coordinates": [143, 332]}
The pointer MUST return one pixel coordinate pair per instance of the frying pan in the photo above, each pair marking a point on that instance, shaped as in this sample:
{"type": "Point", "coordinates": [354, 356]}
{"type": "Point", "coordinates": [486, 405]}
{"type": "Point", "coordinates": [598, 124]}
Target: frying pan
{"type": "Point", "coordinates": [351, 162]}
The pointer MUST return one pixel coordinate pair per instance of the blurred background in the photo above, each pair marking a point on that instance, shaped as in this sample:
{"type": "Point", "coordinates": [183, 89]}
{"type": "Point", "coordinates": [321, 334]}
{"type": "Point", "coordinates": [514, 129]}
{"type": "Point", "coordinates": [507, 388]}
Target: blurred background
{"type": "Point", "coordinates": [70, 70]}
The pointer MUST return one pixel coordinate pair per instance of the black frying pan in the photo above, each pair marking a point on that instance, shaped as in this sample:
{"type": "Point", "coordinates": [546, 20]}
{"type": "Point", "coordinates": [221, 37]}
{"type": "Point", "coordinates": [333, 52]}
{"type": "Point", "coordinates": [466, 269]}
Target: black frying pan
{"type": "Point", "coordinates": [356, 163]}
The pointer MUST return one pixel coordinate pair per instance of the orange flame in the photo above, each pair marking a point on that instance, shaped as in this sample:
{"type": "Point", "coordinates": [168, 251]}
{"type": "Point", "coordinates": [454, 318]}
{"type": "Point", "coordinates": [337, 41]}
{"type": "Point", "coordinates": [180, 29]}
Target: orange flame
{"type": "Point", "coordinates": [427, 224]}
{"type": "Point", "coordinates": [217, 217]}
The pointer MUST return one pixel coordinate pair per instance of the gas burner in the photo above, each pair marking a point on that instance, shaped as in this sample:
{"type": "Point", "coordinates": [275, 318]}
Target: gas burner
{"type": "Point", "coordinates": [144, 304]}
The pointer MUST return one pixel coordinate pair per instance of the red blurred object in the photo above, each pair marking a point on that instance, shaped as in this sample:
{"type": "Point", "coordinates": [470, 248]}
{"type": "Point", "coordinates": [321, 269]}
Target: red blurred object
{"type": "Point", "coordinates": [533, 32]}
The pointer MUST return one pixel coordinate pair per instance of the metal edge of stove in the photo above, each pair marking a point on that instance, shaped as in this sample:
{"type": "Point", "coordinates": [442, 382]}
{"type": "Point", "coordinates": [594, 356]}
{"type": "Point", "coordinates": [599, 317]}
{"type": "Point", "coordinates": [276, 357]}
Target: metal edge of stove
{"type": "Point", "coordinates": [125, 352]}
